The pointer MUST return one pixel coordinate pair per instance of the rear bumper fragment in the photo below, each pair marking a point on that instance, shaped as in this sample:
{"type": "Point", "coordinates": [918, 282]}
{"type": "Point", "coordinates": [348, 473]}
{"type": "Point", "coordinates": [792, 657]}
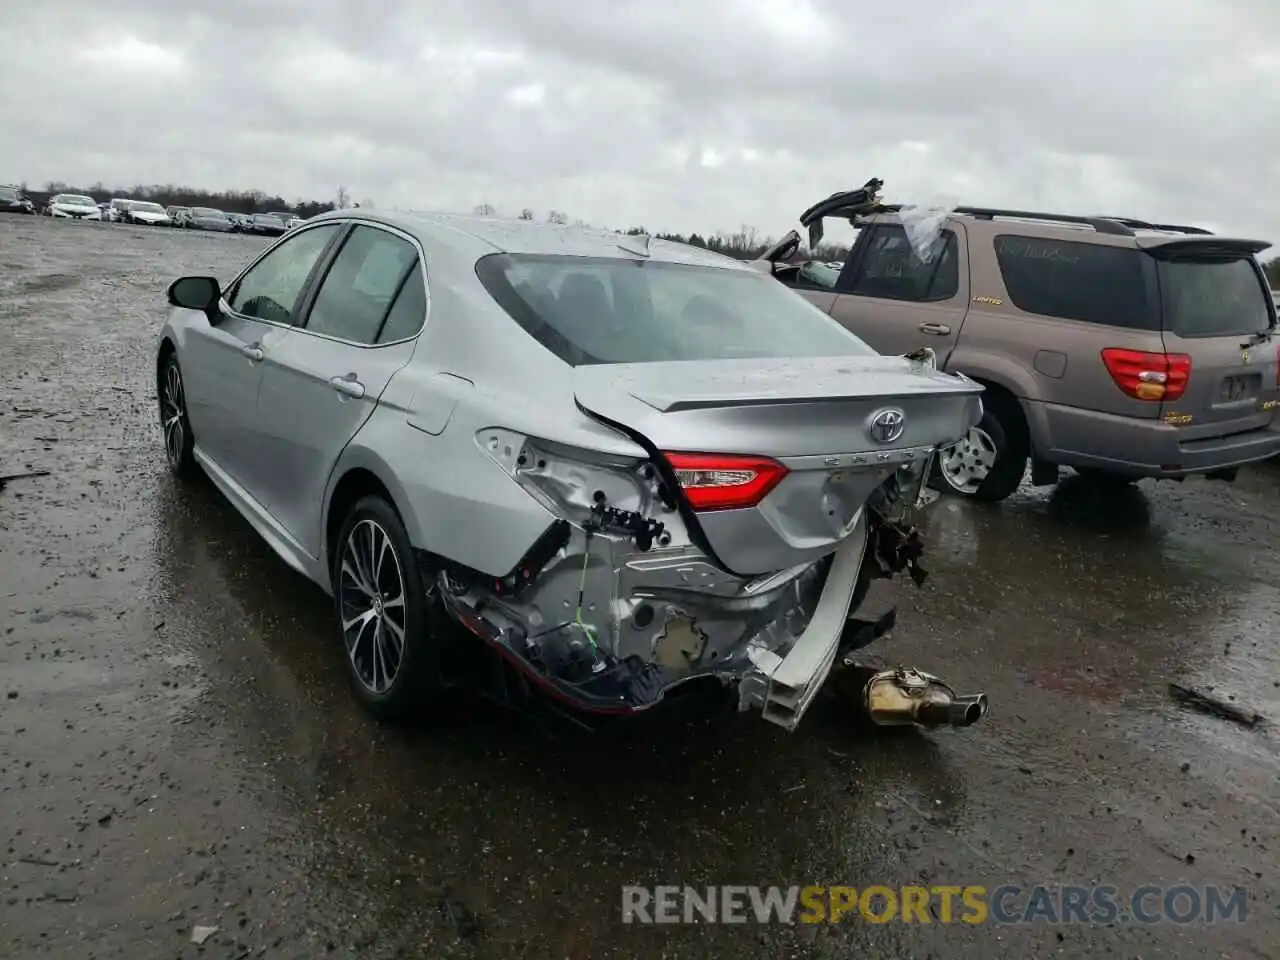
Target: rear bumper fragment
{"type": "Point", "coordinates": [783, 688]}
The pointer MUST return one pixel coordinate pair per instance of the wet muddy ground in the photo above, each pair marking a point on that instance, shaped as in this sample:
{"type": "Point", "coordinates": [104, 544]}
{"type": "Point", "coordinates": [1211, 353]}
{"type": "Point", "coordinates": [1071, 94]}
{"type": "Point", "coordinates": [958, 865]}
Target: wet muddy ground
{"type": "Point", "coordinates": [177, 746]}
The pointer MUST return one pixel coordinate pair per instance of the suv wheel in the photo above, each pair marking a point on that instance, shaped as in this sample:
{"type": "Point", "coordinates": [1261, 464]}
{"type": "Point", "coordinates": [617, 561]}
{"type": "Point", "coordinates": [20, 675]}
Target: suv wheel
{"type": "Point", "coordinates": [390, 620]}
{"type": "Point", "coordinates": [988, 462]}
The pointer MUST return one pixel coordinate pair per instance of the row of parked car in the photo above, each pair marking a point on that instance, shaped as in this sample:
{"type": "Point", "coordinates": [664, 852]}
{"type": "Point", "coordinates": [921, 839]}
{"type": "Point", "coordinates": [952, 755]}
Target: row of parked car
{"type": "Point", "coordinates": [209, 218]}
{"type": "Point", "coordinates": [74, 206]}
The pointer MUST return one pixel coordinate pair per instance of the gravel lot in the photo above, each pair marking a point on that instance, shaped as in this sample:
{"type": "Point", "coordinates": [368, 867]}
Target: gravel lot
{"type": "Point", "coordinates": [177, 745]}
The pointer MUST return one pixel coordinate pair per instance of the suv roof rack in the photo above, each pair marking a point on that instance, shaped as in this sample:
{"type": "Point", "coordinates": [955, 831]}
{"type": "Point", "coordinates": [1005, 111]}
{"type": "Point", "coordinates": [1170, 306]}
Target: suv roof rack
{"type": "Point", "coordinates": [865, 198]}
{"type": "Point", "coordinates": [1109, 225]}
{"type": "Point", "coordinates": [1170, 227]}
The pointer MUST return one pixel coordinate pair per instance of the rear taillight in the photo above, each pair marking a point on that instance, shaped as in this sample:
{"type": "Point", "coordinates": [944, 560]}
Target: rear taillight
{"type": "Point", "coordinates": [1148, 376]}
{"type": "Point", "coordinates": [725, 481]}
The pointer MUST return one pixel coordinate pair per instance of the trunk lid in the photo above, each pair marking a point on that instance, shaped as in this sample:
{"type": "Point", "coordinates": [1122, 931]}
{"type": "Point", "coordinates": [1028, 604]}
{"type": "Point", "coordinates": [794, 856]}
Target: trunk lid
{"type": "Point", "coordinates": [839, 425]}
{"type": "Point", "coordinates": [1216, 308]}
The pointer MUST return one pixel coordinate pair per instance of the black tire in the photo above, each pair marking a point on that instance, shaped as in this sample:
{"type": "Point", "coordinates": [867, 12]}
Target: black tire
{"type": "Point", "coordinates": [1002, 425]}
{"type": "Point", "coordinates": [175, 424]}
{"type": "Point", "coordinates": [415, 683]}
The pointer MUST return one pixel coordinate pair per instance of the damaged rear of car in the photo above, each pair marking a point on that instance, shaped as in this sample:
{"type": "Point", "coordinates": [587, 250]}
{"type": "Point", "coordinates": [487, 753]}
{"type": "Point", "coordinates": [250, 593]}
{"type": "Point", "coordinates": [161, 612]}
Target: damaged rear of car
{"type": "Point", "coordinates": [774, 458]}
{"type": "Point", "coordinates": [630, 468]}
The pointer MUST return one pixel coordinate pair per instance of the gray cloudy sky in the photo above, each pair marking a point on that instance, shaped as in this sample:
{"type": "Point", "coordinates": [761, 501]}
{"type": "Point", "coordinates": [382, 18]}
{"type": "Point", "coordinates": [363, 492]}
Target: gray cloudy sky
{"type": "Point", "coordinates": [690, 115]}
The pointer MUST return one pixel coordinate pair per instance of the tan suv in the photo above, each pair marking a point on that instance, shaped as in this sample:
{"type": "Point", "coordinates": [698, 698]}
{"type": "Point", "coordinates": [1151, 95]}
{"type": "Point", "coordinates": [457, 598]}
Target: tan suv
{"type": "Point", "coordinates": [1120, 348]}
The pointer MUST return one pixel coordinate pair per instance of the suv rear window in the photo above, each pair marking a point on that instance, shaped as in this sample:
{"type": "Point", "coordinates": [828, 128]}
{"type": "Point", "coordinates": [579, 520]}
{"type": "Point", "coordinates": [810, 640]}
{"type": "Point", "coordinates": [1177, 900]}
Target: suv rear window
{"type": "Point", "coordinates": [1213, 297]}
{"type": "Point", "coordinates": [591, 310]}
{"type": "Point", "coordinates": [1078, 281]}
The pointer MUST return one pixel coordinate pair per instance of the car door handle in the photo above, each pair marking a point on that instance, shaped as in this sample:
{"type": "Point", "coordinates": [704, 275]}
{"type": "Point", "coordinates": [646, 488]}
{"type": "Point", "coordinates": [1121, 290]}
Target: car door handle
{"type": "Point", "coordinates": [348, 385]}
{"type": "Point", "coordinates": [253, 351]}
{"type": "Point", "coordinates": [937, 329]}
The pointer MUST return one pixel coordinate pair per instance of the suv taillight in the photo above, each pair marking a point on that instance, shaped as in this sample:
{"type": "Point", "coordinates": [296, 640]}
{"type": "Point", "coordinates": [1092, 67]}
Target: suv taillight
{"type": "Point", "coordinates": [1148, 376]}
{"type": "Point", "coordinates": [725, 481]}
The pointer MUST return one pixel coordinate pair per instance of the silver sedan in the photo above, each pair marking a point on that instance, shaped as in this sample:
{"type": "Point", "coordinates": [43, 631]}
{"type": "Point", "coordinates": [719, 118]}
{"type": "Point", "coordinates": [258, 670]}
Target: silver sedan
{"type": "Point", "coordinates": [618, 465]}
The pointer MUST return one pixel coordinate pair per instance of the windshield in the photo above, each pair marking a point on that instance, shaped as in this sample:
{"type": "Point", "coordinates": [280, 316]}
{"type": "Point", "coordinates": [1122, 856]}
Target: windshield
{"type": "Point", "coordinates": [282, 216]}
{"type": "Point", "coordinates": [265, 216]}
{"type": "Point", "coordinates": [8, 193]}
{"type": "Point", "coordinates": [1208, 297]}
{"type": "Point", "coordinates": [71, 200]}
{"type": "Point", "coordinates": [206, 212]}
{"type": "Point", "coordinates": [589, 310]}
{"type": "Point", "coordinates": [146, 207]}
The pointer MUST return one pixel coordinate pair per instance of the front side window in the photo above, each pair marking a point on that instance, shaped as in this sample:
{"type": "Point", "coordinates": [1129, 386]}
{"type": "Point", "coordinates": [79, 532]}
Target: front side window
{"type": "Point", "coordinates": [270, 290]}
{"type": "Point", "coordinates": [890, 268]}
{"type": "Point", "coordinates": [359, 288]}
{"type": "Point", "coordinates": [8, 193]}
{"type": "Point", "coordinates": [590, 310]}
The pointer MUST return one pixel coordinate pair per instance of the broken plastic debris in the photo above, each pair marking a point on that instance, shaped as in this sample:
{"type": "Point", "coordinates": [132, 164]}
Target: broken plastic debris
{"type": "Point", "coordinates": [923, 226]}
{"type": "Point", "coordinates": [200, 934]}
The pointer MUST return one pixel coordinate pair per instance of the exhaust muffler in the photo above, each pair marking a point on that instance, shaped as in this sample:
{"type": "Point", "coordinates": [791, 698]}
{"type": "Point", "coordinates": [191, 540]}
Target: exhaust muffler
{"type": "Point", "coordinates": [905, 696]}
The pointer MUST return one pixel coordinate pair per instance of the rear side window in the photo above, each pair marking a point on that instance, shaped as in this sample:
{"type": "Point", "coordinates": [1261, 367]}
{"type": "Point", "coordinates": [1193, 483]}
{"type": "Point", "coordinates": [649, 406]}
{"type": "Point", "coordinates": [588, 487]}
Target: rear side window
{"type": "Point", "coordinates": [409, 312]}
{"type": "Point", "coordinates": [1213, 297]}
{"type": "Point", "coordinates": [591, 310]}
{"type": "Point", "coordinates": [890, 269]}
{"type": "Point", "coordinates": [359, 288]}
{"type": "Point", "coordinates": [1078, 281]}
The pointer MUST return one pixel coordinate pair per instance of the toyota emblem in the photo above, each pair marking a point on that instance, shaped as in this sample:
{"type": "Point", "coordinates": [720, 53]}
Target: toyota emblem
{"type": "Point", "coordinates": [887, 425]}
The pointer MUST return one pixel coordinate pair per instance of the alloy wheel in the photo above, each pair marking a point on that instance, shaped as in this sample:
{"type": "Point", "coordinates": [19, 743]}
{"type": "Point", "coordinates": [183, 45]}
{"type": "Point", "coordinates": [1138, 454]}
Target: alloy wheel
{"type": "Point", "coordinates": [966, 463]}
{"type": "Point", "coordinates": [173, 414]}
{"type": "Point", "coordinates": [371, 602]}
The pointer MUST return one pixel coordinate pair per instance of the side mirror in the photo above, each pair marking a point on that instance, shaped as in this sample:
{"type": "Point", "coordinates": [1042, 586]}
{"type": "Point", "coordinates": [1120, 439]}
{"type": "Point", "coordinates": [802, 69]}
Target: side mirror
{"type": "Point", "coordinates": [196, 293]}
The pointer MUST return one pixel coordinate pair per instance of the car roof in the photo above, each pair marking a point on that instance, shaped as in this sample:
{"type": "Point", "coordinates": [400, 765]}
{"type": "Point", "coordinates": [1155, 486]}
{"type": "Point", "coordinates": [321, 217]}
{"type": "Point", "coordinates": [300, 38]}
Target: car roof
{"type": "Point", "coordinates": [481, 236]}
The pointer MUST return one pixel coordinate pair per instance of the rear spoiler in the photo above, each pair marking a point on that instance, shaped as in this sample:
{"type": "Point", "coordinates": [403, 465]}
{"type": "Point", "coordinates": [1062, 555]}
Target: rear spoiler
{"type": "Point", "coordinates": [1166, 248]}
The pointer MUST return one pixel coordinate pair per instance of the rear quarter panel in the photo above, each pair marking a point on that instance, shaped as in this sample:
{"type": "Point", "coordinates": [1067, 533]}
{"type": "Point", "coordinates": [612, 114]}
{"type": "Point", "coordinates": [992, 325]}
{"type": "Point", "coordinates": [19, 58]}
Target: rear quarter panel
{"type": "Point", "coordinates": [464, 377]}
